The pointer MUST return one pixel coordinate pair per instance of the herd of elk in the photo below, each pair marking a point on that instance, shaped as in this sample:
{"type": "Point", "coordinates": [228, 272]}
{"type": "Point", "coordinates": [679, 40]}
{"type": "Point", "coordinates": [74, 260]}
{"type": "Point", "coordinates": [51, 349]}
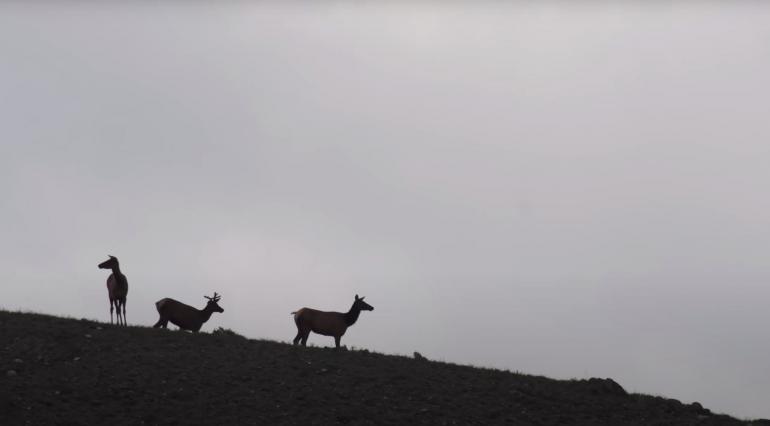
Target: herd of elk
{"type": "Point", "coordinates": [186, 317]}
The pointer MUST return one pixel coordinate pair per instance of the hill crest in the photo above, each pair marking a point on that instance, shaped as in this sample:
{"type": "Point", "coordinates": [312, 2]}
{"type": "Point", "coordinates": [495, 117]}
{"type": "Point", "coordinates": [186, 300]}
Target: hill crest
{"type": "Point", "coordinates": [80, 372]}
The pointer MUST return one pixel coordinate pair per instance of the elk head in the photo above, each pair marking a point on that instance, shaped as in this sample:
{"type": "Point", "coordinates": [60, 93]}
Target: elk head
{"type": "Point", "coordinates": [110, 263]}
{"type": "Point", "coordinates": [212, 304]}
{"type": "Point", "coordinates": [361, 305]}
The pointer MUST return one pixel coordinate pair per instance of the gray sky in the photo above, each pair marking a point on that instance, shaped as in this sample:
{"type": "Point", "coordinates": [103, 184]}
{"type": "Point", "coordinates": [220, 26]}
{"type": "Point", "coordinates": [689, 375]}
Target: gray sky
{"type": "Point", "coordinates": [565, 190]}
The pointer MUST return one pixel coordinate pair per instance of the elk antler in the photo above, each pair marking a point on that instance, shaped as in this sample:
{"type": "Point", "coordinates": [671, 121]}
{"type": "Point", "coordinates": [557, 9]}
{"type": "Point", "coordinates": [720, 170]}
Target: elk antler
{"type": "Point", "coordinates": [215, 298]}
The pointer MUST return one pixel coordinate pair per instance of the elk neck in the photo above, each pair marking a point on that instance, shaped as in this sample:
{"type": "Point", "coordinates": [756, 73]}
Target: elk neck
{"type": "Point", "coordinates": [116, 271]}
{"type": "Point", "coordinates": [352, 316]}
{"type": "Point", "coordinates": [206, 313]}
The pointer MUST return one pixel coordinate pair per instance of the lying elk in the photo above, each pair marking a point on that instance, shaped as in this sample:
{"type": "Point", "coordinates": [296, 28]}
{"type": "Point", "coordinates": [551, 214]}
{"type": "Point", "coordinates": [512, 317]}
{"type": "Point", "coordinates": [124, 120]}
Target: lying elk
{"type": "Point", "coordinates": [185, 316]}
{"type": "Point", "coordinates": [117, 288]}
{"type": "Point", "coordinates": [327, 323]}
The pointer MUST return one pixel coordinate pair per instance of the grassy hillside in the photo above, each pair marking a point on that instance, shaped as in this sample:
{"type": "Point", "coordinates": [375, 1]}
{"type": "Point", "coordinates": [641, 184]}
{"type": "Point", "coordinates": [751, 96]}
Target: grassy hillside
{"type": "Point", "coordinates": [77, 372]}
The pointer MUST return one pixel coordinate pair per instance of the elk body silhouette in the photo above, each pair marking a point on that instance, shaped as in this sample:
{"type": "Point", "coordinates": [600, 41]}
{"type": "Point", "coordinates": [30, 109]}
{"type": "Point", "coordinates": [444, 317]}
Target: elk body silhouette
{"type": "Point", "coordinates": [327, 323]}
{"type": "Point", "coordinates": [117, 288]}
{"type": "Point", "coordinates": [185, 316]}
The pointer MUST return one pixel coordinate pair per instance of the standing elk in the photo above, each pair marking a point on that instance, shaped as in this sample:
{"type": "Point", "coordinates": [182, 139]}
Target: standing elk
{"type": "Point", "coordinates": [117, 288]}
{"type": "Point", "coordinates": [185, 316]}
{"type": "Point", "coordinates": [327, 323]}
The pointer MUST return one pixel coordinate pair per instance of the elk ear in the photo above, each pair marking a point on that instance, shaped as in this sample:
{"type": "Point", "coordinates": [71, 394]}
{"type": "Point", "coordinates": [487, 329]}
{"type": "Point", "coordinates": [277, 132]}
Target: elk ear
{"type": "Point", "coordinates": [357, 297]}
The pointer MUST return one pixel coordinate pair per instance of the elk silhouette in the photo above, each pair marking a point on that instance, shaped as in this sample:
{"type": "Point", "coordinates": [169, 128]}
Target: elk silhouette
{"type": "Point", "coordinates": [327, 323]}
{"type": "Point", "coordinates": [185, 316]}
{"type": "Point", "coordinates": [117, 288]}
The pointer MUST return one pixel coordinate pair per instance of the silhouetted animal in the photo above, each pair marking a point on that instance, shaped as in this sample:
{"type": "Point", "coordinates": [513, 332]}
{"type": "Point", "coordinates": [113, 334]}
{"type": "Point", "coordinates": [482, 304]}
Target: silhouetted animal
{"type": "Point", "coordinates": [117, 288]}
{"type": "Point", "coordinates": [185, 316]}
{"type": "Point", "coordinates": [327, 323]}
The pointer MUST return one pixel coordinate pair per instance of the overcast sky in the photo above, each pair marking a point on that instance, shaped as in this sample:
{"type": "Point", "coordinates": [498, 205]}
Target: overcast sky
{"type": "Point", "coordinates": [565, 190]}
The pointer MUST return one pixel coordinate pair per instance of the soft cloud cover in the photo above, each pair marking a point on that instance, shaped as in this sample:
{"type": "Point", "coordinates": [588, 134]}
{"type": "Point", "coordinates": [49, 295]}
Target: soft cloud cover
{"type": "Point", "coordinates": [565, 190]}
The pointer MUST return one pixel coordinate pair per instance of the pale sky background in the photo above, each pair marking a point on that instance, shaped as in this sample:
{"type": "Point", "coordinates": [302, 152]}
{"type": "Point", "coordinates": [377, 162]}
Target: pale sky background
{"type": "Point", "coordinates": [560, 189]}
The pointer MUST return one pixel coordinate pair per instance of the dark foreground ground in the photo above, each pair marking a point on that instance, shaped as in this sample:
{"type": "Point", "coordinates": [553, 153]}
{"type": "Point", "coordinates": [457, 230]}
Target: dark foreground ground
{"type": "Point", "coordinates": [57, 371]}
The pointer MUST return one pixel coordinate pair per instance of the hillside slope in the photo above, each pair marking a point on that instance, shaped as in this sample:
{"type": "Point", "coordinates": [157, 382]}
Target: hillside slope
{"type": "Point", "coordinates": [78, 372]}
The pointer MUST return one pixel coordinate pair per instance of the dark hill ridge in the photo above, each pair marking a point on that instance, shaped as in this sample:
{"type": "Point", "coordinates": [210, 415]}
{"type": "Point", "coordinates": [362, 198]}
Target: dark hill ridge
{"type": "Point", "coordinates": [57, 371]}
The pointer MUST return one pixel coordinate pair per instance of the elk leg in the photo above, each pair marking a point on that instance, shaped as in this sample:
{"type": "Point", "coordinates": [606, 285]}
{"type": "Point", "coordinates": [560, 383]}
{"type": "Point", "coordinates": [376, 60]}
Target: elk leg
{"type": "Point", "coordinates": [124, 312]}
{"type": "Point", "coordinates": [299, 336]}
{"type": "Point", "coordinates": [112, 309]}
{"type": "Point", "coordinates": [161, 323]}
{"type": "Point", "coordinates": [304, 338]}
{"type": "Point", "coordinates": [337, 341]}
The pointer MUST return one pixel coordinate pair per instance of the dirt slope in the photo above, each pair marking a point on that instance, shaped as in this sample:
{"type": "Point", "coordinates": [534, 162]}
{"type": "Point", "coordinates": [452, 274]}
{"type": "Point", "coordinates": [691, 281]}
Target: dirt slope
{"type": "Point", "coordinates": [57, 371]}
